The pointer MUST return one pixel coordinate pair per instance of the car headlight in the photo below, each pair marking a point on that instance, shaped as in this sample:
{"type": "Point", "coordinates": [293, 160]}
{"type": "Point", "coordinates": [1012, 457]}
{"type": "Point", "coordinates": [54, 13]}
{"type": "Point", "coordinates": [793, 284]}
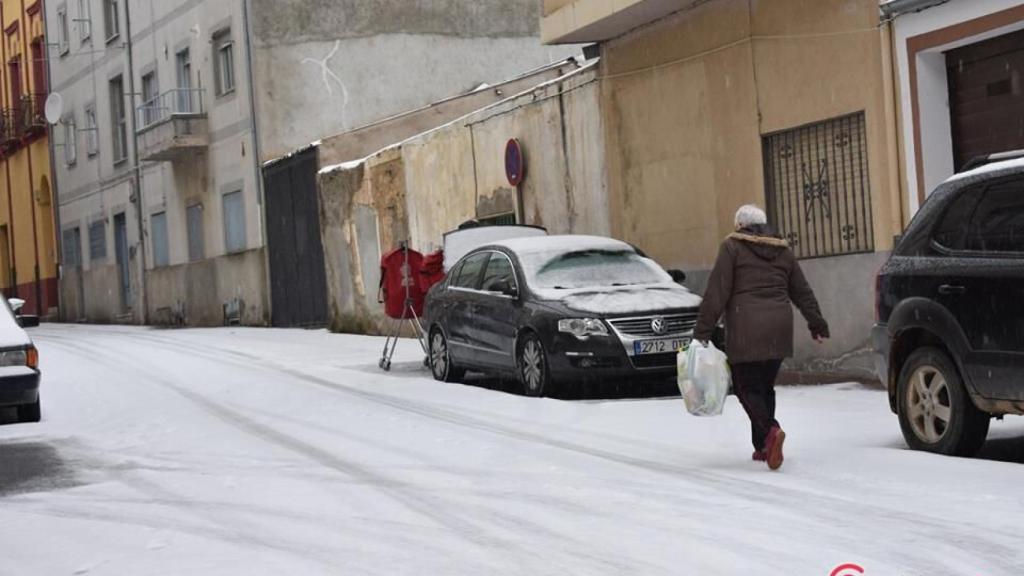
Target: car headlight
{"type": "Point", "coordinates": [583, 328]}
{"type": "Point", "coordinates": [13, 358]}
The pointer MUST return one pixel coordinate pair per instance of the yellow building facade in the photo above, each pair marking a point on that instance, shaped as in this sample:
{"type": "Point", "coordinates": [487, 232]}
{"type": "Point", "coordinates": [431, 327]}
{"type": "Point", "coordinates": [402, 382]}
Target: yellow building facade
{"type": "Point", "coordinates": [28, 241]}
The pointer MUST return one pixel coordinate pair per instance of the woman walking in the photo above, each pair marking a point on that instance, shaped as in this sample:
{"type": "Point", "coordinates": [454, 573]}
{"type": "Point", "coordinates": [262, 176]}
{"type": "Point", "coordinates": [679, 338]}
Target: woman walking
{"type": "Point", "coordinates": [753, 283]}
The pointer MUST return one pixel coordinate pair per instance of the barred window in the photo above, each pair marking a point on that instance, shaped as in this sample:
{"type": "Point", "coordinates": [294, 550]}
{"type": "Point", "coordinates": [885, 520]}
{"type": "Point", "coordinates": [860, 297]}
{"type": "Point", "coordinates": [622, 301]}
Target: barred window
{"type": "Point", "coordinates": [72, 245]}
{"type": "Point", "coordinates": [97, 241]}
{"type": "Point", "coordinates": [158, 236]}
{"type": "Point", "coordinates": [818, 188]}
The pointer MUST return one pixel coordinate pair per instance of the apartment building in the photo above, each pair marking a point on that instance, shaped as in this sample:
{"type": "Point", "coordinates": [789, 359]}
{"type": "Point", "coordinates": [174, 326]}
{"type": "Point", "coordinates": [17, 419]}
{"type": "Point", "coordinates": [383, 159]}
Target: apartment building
{"type": "Point", "coordinates": [158, 187]}
{"type": "Point", "coordinates": [28, 245]}
{"type": "Point", "coordinates": [170, 108]}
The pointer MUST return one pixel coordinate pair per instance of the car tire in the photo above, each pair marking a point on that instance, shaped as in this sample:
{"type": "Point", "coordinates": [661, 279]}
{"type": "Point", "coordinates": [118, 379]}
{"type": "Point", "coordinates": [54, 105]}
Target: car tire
{"type": "Point", "coordinates": [935, 411]}
{"type": "Point", "coordinates": [532, 366]}
{"type": "Point", "coordinates": [441, 365]}
{"type": "Point", "coordinates": [28, 413]}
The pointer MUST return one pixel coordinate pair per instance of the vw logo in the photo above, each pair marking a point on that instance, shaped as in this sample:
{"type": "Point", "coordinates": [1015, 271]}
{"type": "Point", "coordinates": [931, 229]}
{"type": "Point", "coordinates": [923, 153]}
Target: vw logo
{"type": "Point", "coordinates": [658, 326]}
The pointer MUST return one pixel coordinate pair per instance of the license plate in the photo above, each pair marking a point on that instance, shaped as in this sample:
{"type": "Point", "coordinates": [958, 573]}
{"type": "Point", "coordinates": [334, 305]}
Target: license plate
{"type": "Point", "coordinates": [663, 346]}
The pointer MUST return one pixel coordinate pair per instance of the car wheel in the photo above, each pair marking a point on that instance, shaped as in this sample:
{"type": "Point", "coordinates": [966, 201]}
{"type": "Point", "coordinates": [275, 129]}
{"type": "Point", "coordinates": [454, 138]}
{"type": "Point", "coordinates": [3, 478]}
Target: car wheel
{"type": "Point", "coordinates": [936, 414]}
{"type": "Point", "coordinates": [30, 412]}
{"type": "Point", "coordinates": [441, 359]}
{"type": "Point", "coordinates": [533, 366]}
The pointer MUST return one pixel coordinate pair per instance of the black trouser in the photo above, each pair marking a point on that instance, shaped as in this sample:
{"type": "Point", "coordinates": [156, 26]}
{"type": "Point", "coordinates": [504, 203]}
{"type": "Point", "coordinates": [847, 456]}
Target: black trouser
{"type": "Point", "coordinates": [754, 385]}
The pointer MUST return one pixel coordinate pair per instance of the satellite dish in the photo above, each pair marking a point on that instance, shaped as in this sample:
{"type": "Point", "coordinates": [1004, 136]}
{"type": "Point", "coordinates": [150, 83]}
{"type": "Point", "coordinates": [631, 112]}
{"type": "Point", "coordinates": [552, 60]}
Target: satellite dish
{"type": "Point", "coordinates": [54, 108]}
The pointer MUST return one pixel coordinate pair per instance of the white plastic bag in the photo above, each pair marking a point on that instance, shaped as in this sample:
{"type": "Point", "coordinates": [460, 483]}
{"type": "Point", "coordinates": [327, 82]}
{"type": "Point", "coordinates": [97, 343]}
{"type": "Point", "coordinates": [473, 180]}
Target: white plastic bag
{"type": "Point", "coordinates": [704, 379]}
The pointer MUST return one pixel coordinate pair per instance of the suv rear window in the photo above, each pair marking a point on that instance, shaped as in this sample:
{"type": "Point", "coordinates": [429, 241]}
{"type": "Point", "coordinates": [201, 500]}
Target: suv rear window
{"type": "Point", "coordinates": [951, 233]}
{"type": "Point", "coordinates": [998, 221]}
{"type": "Point", "coordinates": [985, 220]}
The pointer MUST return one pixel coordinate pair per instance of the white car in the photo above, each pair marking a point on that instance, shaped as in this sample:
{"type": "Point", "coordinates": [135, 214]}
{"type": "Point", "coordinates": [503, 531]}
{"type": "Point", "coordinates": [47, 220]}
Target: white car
{"type": "Point", "coordinates": [19, 363]}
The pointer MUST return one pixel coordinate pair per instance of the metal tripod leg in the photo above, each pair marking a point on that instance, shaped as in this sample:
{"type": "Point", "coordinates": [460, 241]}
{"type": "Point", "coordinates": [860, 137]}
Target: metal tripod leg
{"type": "Point", "coordinates": [421, 335]}
{"type": "Point", "coordinates": [389, 345]}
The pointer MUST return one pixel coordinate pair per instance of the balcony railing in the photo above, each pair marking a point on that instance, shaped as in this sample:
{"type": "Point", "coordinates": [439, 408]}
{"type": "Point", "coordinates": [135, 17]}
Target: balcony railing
{"type": "Point", "coordinates": [25, 119]}
{"type": "Point", "coordinates": [10, 135]}
{"type": "Point", "coordinates": [176, 102]}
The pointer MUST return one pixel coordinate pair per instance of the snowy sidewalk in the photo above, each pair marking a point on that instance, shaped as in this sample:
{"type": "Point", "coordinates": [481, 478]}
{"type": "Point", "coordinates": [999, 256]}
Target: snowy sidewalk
{"type": "Point", "coordinates": [247, 451]}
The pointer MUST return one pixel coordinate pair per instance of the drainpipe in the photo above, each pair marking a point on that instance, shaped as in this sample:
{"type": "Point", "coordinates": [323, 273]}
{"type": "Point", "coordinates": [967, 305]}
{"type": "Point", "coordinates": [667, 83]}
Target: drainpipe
{"type": "Point", "coordinates": [256, 154]}
{"type": "Point", "coordinates": [12, 240]}
{"type": "Point", "coordinates": [54, 196]}
{"type": "Point", "coordinates": [29, 66]}
{"type": "Point", "coordinates": [144, 300]}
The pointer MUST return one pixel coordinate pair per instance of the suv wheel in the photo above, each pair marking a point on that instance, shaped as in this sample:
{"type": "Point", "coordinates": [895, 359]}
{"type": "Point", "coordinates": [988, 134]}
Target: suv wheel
{"type": "Point", "coordinates": [441, 365]}
{"type": "Point", "coordinates": [936, 414]}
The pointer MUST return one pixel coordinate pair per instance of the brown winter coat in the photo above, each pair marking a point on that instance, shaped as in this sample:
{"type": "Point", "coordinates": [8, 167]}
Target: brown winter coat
{"type": "Point", "coordinates": [754, 282]}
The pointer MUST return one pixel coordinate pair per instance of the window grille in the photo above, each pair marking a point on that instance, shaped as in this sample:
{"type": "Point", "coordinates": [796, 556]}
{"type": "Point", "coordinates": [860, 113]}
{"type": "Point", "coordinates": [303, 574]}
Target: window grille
{"type": "Point", "coordinates": [818, 188]}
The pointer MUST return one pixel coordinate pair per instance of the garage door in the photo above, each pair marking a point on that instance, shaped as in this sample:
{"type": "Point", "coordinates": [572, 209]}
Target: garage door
{"type": "Point", "coordinates": [986, 84]}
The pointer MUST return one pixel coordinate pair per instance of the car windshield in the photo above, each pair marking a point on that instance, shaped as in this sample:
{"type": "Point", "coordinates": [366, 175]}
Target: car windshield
{"type": "Point", "coordinates": [598, 269]}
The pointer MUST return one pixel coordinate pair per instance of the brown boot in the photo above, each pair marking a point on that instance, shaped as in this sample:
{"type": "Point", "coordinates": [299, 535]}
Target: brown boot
{"type": "Point", "coordinates": [773, 447]}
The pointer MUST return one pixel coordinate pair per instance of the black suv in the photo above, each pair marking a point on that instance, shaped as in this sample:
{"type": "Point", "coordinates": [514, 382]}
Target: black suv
{"type": "Point", "coordinates": [950, 305]}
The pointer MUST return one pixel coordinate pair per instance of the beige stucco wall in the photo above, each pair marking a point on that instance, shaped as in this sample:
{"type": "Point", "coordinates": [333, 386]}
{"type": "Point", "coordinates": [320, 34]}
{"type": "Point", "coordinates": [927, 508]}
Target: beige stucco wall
{"type": "Point", "coordinates": [687, 101]}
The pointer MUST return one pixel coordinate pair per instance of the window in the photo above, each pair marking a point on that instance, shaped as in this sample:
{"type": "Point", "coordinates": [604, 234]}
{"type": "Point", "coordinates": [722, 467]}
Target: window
{"type": "Point", "coordinates": [70, 141]}
{"type": "Point", "coordinates": [14, 73]}
{"type": "Point", "coordinates": [71, 242]}
{"type": "Point", "coordinates": [184, 68]}
{"type": "Point", "coordinates": [817, 187]}
{"type": "Point", "coordinates": [469, 273]}
{"type": "Point", "coordinates": [158, 237]}
{"type": "Point", "coordinates": [118, 121]}
{"type": "Point", "coordinates": [39, 80]}
{"type": "Point", "coordinates": [499, 269]}
{"type": "Point", "coordinates": [63, 46]}
{"type": "Point", "coordinates": [111, 19]}
{"type": "Point", "coordinates": [92, 141]}
{"type": "Point", "coordinates": [499, 220]}
{"type": "Point", "coordinates": [997, 225]}
{"type": "Point", "coordinates": [84, 20]}
{"type": "Point", "coordinates": [234, 222]}
{"type": "Point", "coordinates": [951, 233]}
{"type": "Point", "coordinates": [224, 62]}
{"type": "Point", "coordinates": [97, 241]}
{"type": "Point", "coordinates": [150, 99]}
{"type": "Point", "coordinates": [194, 220]}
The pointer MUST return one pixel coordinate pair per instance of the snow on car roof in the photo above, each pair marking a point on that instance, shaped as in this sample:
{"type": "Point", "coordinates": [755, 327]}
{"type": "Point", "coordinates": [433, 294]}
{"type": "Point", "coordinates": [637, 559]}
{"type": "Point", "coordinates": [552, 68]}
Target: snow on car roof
{"type": "Point", "coordinates": [11, 334]}
{"type": "Point", "coordinates": [988, 169]}
{"type": "Point", "coordinates": [564, 244]}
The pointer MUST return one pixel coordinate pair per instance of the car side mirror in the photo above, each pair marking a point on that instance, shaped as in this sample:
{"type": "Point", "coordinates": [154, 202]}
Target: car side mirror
{"type": "Point", "coordinates": [678, 276]}
{"type": "Point", "coordinates": [505, 287]}
{"type": "Point", "coordinates": [16, 304]}
{"type": "Point", "coordinates": [29, 321]}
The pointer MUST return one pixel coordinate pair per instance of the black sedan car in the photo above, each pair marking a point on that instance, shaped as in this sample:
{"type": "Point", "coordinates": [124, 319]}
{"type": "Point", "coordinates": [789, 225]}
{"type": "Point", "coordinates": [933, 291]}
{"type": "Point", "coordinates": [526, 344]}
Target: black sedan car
{"type": "Point", "coordinates": [555, 310]}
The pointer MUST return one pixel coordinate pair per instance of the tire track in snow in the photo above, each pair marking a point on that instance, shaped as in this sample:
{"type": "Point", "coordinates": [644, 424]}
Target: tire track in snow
{"type": "Point", "coordinates": [405, 494]}
{"type": "Point", "coordinates": [827, 509]}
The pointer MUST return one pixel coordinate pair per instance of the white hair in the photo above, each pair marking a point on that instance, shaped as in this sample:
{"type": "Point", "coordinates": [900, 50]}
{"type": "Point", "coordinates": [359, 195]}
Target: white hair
{"type": "Point", "coordinates": [750, 215]}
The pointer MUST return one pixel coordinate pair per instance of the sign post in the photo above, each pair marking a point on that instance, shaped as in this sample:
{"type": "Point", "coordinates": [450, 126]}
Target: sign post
{"type": "Point", "coordinates": [515, 171]}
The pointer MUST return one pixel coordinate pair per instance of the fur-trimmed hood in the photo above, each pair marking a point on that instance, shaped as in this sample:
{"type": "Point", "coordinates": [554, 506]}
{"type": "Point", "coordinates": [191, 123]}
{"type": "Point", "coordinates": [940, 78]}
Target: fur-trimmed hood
{"type": "Point", "coordinates": [761, 240]}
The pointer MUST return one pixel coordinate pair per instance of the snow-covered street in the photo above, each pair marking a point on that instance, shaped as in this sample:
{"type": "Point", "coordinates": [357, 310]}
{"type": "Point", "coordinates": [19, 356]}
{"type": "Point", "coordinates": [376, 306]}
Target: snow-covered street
{"type": "Point", "coordinates": [249, 451]}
